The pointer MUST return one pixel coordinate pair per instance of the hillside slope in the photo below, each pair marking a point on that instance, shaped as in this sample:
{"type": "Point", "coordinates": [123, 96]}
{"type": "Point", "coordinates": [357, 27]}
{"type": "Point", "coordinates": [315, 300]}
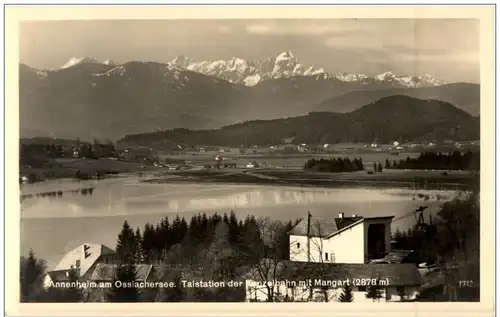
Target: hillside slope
{"type": "Point", "coordinates": [388, 119]}
{"type": "Point", "coordinates": [465, 96]}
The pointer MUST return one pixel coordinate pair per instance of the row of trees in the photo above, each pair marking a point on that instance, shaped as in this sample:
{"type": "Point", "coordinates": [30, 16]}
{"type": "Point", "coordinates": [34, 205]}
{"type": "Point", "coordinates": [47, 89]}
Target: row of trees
{"type": "Point", "coordinates": [31, 152]}
{"type": "Point", "coordinates": [154, 242]}
{"type": "Point", "coordinates": [334, 165]}
{"type": "Point", "coordinates": [441, 161]}
{"type": "Point", "coordinates": [221, 246]}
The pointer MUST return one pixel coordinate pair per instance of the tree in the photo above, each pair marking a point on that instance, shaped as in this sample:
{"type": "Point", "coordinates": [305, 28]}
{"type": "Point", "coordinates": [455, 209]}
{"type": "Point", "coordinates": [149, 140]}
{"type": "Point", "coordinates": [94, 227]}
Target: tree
{"type": "Point", "coordinates": [319, 255]}
{"type": "Point", "coordinates": [374, 292]}
{"type": "Point", "coordinates": [387, 164]}
{"type": "Point", "coordinates": [263, 253]}
{"type": "Point", "coordinates": [138, 250]}
{"type": "Point", "coordinates": [401, 293]}
{"type": "Point", "coordinates": [170, 294]}
{"type": "Point", "coordinates": [126, 248]}
{"type": "Point", "coordinates": [32, 271]}
{"type": "Point", "coordinates": [346, 295]}
{"type": "Point", "coordinates": [220, 253]}
{"type": "Point", "coordinates": [379, 168]}
{"type": "Point", "coordinates": [175, 294]}
{"type": "Point", "coordinates": [147, 243]}
{"type": "Point", "coordinates": [70, 294]}
{"type": "Point", "coordinates": [375, 167]}
{"type": "Point", "coordinates": [123, 289]}
{"type": "Point", "coordinates": [457, 240]}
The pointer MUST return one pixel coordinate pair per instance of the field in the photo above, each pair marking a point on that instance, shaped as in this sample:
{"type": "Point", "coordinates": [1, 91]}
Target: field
{"type": "Point", "coordinates": [67, 168]}
{"type": "Point", "coordinates": [275, 168]}
{"type": "Point", "coordinates": [413, 179]}
{"type": "Point", "coordinates": [280, 160]}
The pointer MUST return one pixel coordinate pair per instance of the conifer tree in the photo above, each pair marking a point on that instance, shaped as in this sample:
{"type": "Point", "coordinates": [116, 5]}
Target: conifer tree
{"type": "Point", "coordinates": [147, 243]}
{"type": "Point", "coordinates": [374, 292]}
{"type": "Point", "coordinates": [123, 289]}
{"type": "Point", "coordinates": [31, 274]}
{"type": "Point", "coordinates": [126, 247]}
{"type": "Point", "coordinates": [346, 295]}
{"type": "Point", "coordinates": [138, 248]}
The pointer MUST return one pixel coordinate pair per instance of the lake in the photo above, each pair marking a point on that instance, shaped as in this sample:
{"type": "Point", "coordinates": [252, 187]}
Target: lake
{"type": "Point", "coordinates": [52, 226]}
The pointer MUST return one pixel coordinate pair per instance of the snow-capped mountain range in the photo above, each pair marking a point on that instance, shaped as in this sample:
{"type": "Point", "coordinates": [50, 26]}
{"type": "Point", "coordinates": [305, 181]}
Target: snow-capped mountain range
{"type": "Point", "coordinates": [250, 73]}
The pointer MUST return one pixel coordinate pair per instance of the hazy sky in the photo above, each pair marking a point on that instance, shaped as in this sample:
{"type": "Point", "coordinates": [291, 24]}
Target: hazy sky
{"type": "Point", "coordinates": [446, 49]}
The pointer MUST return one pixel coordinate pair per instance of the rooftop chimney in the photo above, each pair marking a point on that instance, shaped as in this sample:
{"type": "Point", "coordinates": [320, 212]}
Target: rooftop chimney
{"type": "Point", "coordinates": [354, 215]}
{"type": "Point", "coordinates": [341, 215]}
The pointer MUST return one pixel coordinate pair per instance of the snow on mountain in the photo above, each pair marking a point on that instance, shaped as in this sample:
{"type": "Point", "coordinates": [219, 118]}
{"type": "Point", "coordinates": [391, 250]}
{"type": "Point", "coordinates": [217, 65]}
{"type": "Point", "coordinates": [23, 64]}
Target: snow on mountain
{"type": "Point", "coordinates": [249, 73]}
{"type": "Point", "coordinates": [409, 81]}
{"type": "Point", "coordinates": [285, 64]}
{"type": "Point", "coordinates": [348, 77]}
{"type": "Point", "coordinates": [109, 62]}
{"type": "Point", "coordinates": [85, 60]}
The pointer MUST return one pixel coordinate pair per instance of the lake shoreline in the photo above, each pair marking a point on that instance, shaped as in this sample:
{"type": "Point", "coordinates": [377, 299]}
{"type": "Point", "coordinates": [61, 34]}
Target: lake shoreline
{"type": "Point", "coordinates": [411, 179]}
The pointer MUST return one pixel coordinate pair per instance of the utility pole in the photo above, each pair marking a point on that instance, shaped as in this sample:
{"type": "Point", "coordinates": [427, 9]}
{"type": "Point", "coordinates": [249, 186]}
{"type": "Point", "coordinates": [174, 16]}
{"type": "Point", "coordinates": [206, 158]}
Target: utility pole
{"type": "Point", "coordinates": [309, 246]}
{"type": "Point", "coordinates": [309, 236]}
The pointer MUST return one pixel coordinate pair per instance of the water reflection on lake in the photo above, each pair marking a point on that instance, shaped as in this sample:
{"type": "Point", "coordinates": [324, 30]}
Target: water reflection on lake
{"type": "Point", "coordinates": [53, 226]}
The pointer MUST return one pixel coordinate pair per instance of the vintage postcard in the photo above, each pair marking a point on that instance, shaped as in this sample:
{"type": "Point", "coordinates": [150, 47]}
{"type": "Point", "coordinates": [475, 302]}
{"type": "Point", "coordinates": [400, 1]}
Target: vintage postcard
{"type": "Point", "coordinates": [253, 160]}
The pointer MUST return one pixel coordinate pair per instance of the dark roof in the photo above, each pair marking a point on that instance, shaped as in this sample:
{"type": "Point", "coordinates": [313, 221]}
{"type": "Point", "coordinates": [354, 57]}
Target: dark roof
{"type": "Point", "coordinates": [323, 227]}
{"type": "Point", "coordinates": [405, 274]}
{"type": "Point", "coordinates": [59, 275]}
{"type": "Point", "coordinates": [106, 251]}
{"type": "Point", "coordinates": [396, 256]}
{"type": "Point", "coordinates": [106, 272]}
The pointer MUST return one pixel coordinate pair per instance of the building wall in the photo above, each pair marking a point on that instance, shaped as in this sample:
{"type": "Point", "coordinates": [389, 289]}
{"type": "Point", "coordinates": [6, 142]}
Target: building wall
{"type": "Point", "coordinates": [348, 246]}
{"type": "Point", "coordinates": [298, 248]}
{"type": "Point", "coordinates": [345, 247]}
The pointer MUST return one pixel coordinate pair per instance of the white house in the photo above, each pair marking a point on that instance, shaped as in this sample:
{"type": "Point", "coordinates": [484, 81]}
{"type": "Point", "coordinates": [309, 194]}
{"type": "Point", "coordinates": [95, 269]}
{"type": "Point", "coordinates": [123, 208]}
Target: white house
{"type": "Point", "coordinates": [343, 240]}
{"type": "Point", "coordinates": [324, 282]}
{"type": "Point", "coordinates": [83, 259]}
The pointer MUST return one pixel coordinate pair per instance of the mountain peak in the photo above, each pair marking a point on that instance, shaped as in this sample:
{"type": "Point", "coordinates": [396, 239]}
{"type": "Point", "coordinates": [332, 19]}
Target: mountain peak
{"type": "Point", "coordinates": [85, 60]}
{"type": "Point", "coordinates": [181, 61]}
{"type": "Point", "coordinates": [285, 56]}
{"type": "Point", "coordinates": [251, 72]}
{"type": "Point", "coordinates": [385, 76]}
{"type": "Point", "coordinates": [79, 60]}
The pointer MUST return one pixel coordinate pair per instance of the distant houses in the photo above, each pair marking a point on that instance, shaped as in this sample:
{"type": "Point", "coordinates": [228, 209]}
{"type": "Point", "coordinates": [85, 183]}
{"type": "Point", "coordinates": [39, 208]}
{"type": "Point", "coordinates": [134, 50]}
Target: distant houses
{"type": "Point", "coordinates": [137, 153]}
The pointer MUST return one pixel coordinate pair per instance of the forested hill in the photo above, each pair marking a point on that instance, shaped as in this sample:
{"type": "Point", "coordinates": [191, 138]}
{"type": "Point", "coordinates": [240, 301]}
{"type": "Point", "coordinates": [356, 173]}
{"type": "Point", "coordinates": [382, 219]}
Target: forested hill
{"type": "Point", "coordinates": [390, 118]}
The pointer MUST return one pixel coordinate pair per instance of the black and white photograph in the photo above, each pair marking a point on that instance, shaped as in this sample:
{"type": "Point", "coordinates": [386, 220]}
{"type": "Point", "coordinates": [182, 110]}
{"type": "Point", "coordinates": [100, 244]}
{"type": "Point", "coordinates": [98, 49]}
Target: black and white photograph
{"type": "Point", "coordinates": [238, 160]}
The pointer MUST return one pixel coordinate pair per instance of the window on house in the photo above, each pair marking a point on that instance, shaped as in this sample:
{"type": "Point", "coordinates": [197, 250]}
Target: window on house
{"type": "Point", "coordinates": [298, 245]}
{"type": "Point", "coordinates": [326, 256]}
{"type": "Point", "coordinates": [332, 257]}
